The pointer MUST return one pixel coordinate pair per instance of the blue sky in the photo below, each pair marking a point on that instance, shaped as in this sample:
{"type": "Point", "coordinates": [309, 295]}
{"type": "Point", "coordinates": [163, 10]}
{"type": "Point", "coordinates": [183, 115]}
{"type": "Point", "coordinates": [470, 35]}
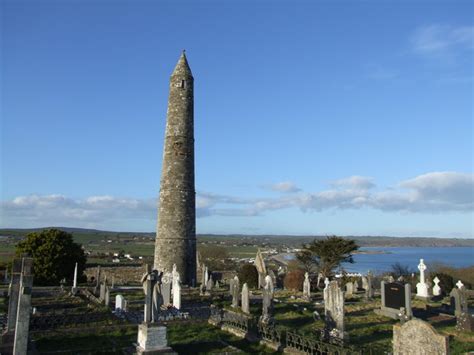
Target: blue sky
{"type": "Point", "coordinates": [311, 117]}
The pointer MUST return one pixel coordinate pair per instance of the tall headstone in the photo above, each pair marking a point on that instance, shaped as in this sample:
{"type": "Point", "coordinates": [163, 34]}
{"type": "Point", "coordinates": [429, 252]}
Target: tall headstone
{"type": "Point", "coordinates": [334, 310]}
{"type": "Point", "coordinates": [349, 288]}
{"type": "Point", "coordinates": [458, 299]}
{"type": "Point", "coordinates": [235, 292]}
{"type": "Point", "coordinates": [326, 283]}
{"type": "Point", "coordinates": [422, 289]}
{"type": "Point", "coordinates": [74, 283]}
{"type": "Point", "coordinates": [395, 300]}
{"type": "Point", "coordinates": [306, 287]}
{"type": "Point", "coordinates": [177, 295]}
{"type": "Point", "coordinates": [166, 289]}
{"type": "Point", "coordinates": [436, 288]}
{"type": "Point", "coordinates": [245, 299]}
{"type": "Point", "coordinates": [267, 302]}
{"type": "Point", "coordinates": [206, 275]}
{"type": "Point", "coordinates": [97, 280]}
{"type": "Point", "coordinates": [418, 337]}
{"type": "Point", "coordinates": [13, 293]}
{"type": "Point", "coordinates": [107, 295]}
{"type": "Point", "coordinates": [261, 269]}
{"type": "Point", "coordinates": [22, 326]}
{"type": "Point", "coordinates": [176, 230]}
{"type": "Point", "coordinates": [365, 283]}
{"type": "Point", "coordinates": [369, 292]}
{"type": "Point", "coordinates": [119, 302]}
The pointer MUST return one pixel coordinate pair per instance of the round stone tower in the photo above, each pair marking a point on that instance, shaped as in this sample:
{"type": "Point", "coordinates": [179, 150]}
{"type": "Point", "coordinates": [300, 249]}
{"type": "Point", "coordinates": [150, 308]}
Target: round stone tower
{"type": "Point", "coordinates": [176, 230]}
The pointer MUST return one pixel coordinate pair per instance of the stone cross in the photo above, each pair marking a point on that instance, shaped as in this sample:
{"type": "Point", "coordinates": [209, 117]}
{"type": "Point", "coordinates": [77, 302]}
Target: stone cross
{"type": "Point", "coordinates": [422, 290]}
{"type": "Point", "coordinates": [436, 288]}
{"type": "Point", "coordinates": [306, 287]}
{"type": "Point", "coordinates": [150, 280]}
{"type": "Point", "coordinates": [334, 310]}
{"type": "Point", "coordinates": [235, 292]}
{"type": "Point", "coordinates": [20, 343]}
{"type": "Point", "coordinates": [326, 283]}
{"type": "Point", "coordinates": [245, 299]}
{"type": "Point", "coordinates": [459, 284]}
{"type": "Point", "coordinates": [458, 299]}
{"type": "Point", "coordinates": [422, 268]}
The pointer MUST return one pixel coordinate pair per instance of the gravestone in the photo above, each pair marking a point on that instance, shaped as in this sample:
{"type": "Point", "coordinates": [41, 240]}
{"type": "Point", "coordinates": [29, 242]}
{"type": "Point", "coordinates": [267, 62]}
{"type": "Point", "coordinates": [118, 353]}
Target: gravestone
{"type": "Point", "coordinates": [422, 289]}
{"type": "Point", "coordinates": [20, 343]}
{"type": "Point", "coordinates": [119, 300]}
{"type": "Point", "coordinates": [349, 288]}
{"type": "Point", "coordinates": [320, 277]}
{"type": "Point", "coordinates": [436, 288]}
{"type": "Point", "coordinates": [458, 300]}
{"type": "Point", "coordinates": [206, 275]}
{"type": "Point", "coordinates": [97, 281]}
{"type": "Point", "coordinates": [326, 283]}
{"type": "Point", "coordinates": [273, 276]}
{"type": "Point", "coordinates": [152, 339]}
{"type": "Point", "coordinates": [459, 284]}
{"type": "Point", "coordinates": [395, 300]}
{"type": "Point", "coordinates": [74, 283]}
{"type": "Point", "coordinates": [166, 289]}
{"type": "Point", "coordinates": [465, 322]}
{"type": "Point", "coordinates": [267, 302]}
{"type": "Point", "coordinates": [365, 284]}
{"type": "Point", "coordinates": [235, 292]}
{"type": "Point", "coordinates": [125, 305]}
{"type": "Point", "coordinates": [306, 287]}
{"type": "Point", "coordinates": [334, 310]}
{"type": "Point", "coordinates": [13, 293]}
{"type": "Point", "coordinates": [107, 295]}
{"type": "Point", "coordinates": [177, 295]}
{"type": "Point", "coordinates": [102, 292]}
{"type": "Point", "coordinates": [261, 269]}
{"type": "Point", "coordinates": [369, 292]}
{"type": "Point", "coordinates": [420, 338]}
{"type": "Point", "coordinates": [391, 279]}
{"type": "Point", "coordinates": [245, 299]}
{"type": "Point", "coordinates": [356, 286]}
{"type": "Point", "coordinates": [210, 284]}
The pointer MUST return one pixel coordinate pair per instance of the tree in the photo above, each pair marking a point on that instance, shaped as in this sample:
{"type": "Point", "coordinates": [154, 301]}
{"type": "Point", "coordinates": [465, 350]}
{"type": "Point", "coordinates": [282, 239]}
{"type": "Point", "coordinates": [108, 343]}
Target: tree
{"type": "Point", "coordinates": [294, 280]}
{"type": "Point", "coordinates": [54, 256]}
{"type": "Point", "coordinates": [248, 274]}
{"type": "Point", "coordinates": [328, 254]}
{"type": "Point", "coordinates": [400, 270]}
{"type": "Point", "coordinates": [215, 257]}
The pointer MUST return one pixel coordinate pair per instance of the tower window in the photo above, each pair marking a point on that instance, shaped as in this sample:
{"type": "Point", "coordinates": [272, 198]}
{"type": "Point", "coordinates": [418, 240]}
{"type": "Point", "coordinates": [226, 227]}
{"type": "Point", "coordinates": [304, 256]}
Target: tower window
{"type": "Point", "coordinates": [183, 84]}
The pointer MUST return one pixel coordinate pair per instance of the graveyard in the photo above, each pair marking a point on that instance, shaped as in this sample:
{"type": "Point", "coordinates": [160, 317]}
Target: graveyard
{"type": "Point", "coordinates": [224, 315]}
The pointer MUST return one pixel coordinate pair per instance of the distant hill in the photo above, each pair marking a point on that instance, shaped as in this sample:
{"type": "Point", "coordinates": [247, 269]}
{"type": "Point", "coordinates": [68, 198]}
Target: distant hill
{"type": "Point", "coordinates": [364, 241]}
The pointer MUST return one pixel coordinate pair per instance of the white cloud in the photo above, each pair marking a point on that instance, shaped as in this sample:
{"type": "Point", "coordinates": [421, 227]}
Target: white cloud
{"type": "Point", "coordinates": [285, 186]}
{"type": "Point", "coordinates": [436, 38]}
{"type": "Point", "coordinates": [429, 193]}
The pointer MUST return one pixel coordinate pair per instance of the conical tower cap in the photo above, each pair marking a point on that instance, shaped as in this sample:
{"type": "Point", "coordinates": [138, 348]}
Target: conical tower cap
{"type": "Point", "coordinates": [182, 67]}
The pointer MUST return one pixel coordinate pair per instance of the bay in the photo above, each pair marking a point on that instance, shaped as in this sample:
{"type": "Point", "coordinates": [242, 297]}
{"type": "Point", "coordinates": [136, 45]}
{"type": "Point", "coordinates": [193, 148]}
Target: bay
{"type": "Point", "coordinates": [380, 262]}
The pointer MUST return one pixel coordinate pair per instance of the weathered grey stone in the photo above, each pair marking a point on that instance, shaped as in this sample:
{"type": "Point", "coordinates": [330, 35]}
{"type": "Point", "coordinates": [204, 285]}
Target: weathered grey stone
{"type": "Point", "coordinates": [166, 289]}
{"type": "Point", "coordinates": [13, 293]}
{"type": "Point", "coordinates": [349, 288]}
{"type": "Point", "coordinates": [334, 309]}
{"type": "Point", "coordinates": [20, 344]}
{"type": "Point", "coordinates": [261, 269]}
{"type": "Point", "coordinates": [465, 322]}
{"type": "Point", "coordinates": [107, 296]}
{"type": "Point", "coordinates": [176, 230]}
{"type": "Point", "coordinates": [152, 339]}
{"type": "Point", "coordinates": [235, 285]}
{"type": "Point", "coordinates": [365, 283]}
{"type": "Point", "coordinates": [458, 299]}
{"type": "Point", "coordinates": [177, 295]}
{"type": "Point", "coordinates": [418, 337]}
{"type": "Point", "coordinates": [245, 299]}
{"type": "Point", "coordinates": [306, 287]}
{"type": "Point", "coordinates": [267, 302]}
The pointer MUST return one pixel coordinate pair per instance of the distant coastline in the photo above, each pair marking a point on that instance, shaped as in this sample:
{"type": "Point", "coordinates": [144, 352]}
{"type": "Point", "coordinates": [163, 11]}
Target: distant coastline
{"type": "Point", "coordinates": [362, 241]}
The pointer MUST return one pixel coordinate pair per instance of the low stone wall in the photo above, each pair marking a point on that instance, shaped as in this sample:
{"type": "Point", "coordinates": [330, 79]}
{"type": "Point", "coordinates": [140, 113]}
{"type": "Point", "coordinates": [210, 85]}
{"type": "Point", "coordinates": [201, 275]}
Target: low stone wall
{"type": "Point", "coordinates": [122, 275]}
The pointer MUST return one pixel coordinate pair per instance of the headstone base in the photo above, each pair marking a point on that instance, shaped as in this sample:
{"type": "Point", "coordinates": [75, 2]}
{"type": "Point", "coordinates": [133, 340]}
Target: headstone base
{"type": "Point", "coordinates": [74, 291]}
{"type": "Point", "coordinates": [388, 312]}
{"type": "Point", "coordinates": [152, 340]}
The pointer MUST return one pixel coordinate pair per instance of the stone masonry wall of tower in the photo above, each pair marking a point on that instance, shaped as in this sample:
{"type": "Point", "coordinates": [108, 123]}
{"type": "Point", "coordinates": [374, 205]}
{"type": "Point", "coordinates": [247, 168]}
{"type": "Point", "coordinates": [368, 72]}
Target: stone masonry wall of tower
{"type": "Point", "coordinates": [176, 227]}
